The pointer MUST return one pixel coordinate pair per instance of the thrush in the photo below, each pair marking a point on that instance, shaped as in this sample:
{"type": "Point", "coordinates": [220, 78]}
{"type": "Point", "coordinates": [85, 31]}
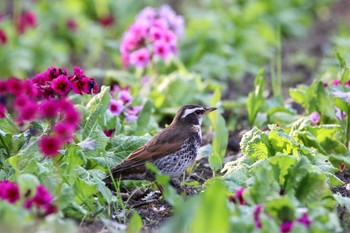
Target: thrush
{"type": "Point", "coordinates": [172, 150]}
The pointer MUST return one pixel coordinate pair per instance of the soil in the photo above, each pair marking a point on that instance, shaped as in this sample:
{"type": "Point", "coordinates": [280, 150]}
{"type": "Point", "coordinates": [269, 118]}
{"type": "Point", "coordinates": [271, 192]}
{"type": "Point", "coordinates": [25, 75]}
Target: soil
{"type": "Point", "coordinates": [154, 210]}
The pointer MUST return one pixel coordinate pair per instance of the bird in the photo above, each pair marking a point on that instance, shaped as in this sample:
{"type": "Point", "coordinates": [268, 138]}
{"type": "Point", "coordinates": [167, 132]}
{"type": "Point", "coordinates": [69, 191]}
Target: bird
{"type": "Point", "coordinates": [172, 150]}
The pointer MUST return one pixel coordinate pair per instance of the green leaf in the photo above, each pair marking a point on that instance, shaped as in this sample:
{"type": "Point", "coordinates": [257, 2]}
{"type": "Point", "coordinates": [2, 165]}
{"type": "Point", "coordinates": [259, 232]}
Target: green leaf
{"type": "Point", "coordinates": [281, 164]}
{"type": "Point", "coordinates": [255, 99]}
{"type": "Point", "coordinates": [135, 223]}
{"type": "Point", "coordinates": [255, 144]}
{"type": "Point", "coordinates": [281, 208]}
{"type": "Point", "coordinates": [97, 106]}
{"type": "Point", "coordinates": [145, 118]}
{"type": "Point", "coordinates": [215, 162]}
{"type": "Point", "coordinates": [27, 182]}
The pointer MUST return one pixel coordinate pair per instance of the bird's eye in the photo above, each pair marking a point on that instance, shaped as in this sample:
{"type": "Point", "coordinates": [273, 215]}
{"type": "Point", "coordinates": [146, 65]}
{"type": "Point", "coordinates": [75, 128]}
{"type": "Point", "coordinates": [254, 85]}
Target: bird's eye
{"type": "Point", "coordinates": [198, 112]}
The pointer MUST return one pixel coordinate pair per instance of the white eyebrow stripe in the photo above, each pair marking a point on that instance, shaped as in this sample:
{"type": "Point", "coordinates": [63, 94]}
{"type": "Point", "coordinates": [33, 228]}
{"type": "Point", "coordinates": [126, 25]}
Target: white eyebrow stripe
{"type": "Point", "coordinates": [189, 111]}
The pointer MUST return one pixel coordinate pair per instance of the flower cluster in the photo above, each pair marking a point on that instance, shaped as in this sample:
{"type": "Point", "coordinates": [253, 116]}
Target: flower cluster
{"type": "Point", "coordinates": [57, 82]}
{"type": "Point", "coordinates": [34, 99]}
{"type": "Point", "coordinates": [153, 35]}
{"type": "Point", "coordinates": [122, 104]}
{"type": "Point", "coordinates": [42, 200]}
{"type": "Point", "coordinates": [26, 20]}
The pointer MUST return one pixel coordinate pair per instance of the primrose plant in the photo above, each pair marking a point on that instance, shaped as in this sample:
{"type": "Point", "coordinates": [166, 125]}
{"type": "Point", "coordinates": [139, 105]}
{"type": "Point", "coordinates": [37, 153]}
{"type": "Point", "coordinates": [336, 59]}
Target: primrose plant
{"type": "Point", "coordinates": [153, 36]}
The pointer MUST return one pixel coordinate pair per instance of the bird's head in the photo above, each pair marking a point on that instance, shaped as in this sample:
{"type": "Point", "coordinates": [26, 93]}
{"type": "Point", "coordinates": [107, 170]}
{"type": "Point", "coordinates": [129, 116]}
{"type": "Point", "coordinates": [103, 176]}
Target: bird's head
{"type": "Point", "coordinates": [191, 114]}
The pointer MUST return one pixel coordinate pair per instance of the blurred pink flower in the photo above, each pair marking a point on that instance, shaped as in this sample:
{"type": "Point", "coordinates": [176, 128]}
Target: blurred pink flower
{"type": "Point", "coordinates": [161, 49]}
{"type": "Point", "coordinates": [107, 20]}
{"type": "Point", "coordinates": [26, 20]}
{"type": "Point", "coordinates": [286, 226]}
{"type": "Point", "coordinates": [256, 213]}
{"type": "Point", "coordinates": [64, 131]}
{"type": "Point", "coordinates": [125, 96]}
{"type": "Point", "coordinates": [315, 118]}
{"type": "Point", "coordinates": [336, 82]}
{"type": "Point", "coordinates": [72, 25]}
{"type": "Point", "coordinates": [132, 113]}
{"type": "Point", "coordinates": [305, 220]}
{"type": "Point", "coordinates": [109, 132]}
{"type": "Point", "coordinates": [116, 106]}
{"type": "Point", "coordinates": [140, 57]}
{"type": "Point", "coordinates": [3, 87]}
{"type": "Point", "coordinates": [49, 145]}
{"type": "Point", "coordinates": [9, 191]}
{"type": "Point", "coordinates": [48, 108]}
{"type": "Point", "coordinates": [14, 86]}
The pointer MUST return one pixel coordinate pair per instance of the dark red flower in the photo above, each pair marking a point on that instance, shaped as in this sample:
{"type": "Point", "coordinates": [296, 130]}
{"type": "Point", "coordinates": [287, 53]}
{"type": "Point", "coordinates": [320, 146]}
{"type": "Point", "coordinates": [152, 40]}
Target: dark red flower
{"type": "Point", "coordinates": [2, 111]}
{"type": "Point", "coordinates": [107, 20]}
{"type": "Point", "coordinates": [26, 20]}
{"type": "Point", "coordinates": [3, 37]}
{"type": "Point", "coordinates": [109, 132]}
{"type": "Point", "coordinates": [3, 87]}
{"type": "Point", "coordinates": [71, 25]}
{"type": "Point", "coordinates": [64, 131]}
{"type": "Point", "coordinates": [81, 86]}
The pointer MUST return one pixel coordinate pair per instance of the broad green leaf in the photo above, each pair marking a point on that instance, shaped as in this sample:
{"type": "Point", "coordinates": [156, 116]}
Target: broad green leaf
{"type": "Point", "coordinates": [144, 120]}
{"type": "Point", "coordinates": [135, 223]}
{"type": "Point", "coordinates": [281, 164]}
{"type": "Point", "coordinates": [215, 162]}
{"type": "Point", "coordinates": [283, 142]}
{"type": "Point", "coordinates": [255, 144]}
{"type": "Point", "coordinates": [27, 182]}
{"type": "Point", "coordinates": [281, 208]}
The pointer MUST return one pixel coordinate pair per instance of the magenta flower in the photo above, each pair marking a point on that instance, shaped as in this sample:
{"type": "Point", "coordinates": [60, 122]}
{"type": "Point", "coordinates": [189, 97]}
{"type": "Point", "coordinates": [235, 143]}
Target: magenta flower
{"type": "Point", "coordinates": [125, 96]}
{"type": "Point", "coordinates": [48, 108]}
{"type": "Point", "coordinates": [286, 226]}
{"type": "Point", "coordinates": [106, 21]}
{"type": "Point", "coordinates": [28, 112]}
{"type": "Point", "coordinates": [256, 213]}
{"type": "Point", "coordinates": [49, 145]}
{"type": "Point", "coordinates": [42, 196]}
{"type": "Point", "coordinates": [132, 113]}
{"type": "Point", "coordinates": [336, 82]}
{"type": "Point", "coordinates": [3, 87]}
{"type": "Point", "coordinates": [347, 83]}
{"type": "Point", "coordinates": [81, 86]}
{"type": "Point", "coordinates": [64, 131]}
{"type": "Point", "coordinates": [116, 106]}
{"type": "Point", "coordinates": [161, 49]}
{"type": "Point", "coordinates": [26, 20]}
{"type": "Point", "coordinates": [3, 37]}
{"type": "Point", "coordinates": [72, 117]}
{"type": "Point", "coordinates": [2, 111]}
{"type": "Point", "coordinates": [315, 118]}
{"type": "Point", "coordinates": [14, 86]}
{"type": "Point", "coordinates": [29, 89]}
{"type": "Point", "coordinates": [305, 220]}
{"type": "Point", "coordinates": [239, 195]}
{"type": "Point", "coordinates": [9, 191]}
{"type": "Point", "coordinates": [61, 85]}
{"type": "Point", "coordinates": [140, 57]}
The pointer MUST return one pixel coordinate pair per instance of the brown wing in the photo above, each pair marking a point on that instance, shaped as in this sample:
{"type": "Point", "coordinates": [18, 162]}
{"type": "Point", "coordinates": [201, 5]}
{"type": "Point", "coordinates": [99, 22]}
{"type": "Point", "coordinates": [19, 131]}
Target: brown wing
{"type": "Point", "coordinates": [161, 144]}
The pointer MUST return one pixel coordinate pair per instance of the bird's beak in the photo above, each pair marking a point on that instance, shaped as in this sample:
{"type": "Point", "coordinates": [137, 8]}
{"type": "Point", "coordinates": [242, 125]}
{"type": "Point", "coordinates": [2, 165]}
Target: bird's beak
{"type": "Point", "coordinates": [210, 109]}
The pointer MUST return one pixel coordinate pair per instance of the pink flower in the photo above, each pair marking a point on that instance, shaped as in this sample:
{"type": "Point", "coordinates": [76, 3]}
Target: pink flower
{"type": "Point", "coordinates": [125, 96]}
{"type": "Point", "coordinates": [340, 114]}
{"type": "Point", "coordinates": [239, 195]}
{"type": "Point", "coordinates": [305, 220]}
{"type": "Point", "coordinates": [140, 57]}
{"type": "Point", "coordinates": [61, 85]}
{"type": "Point", "coordinates": [26, 20]}
{"type": "Point", "coordinates": [116, 106]}
{"type": "Point", "coordinates": [109, 132]}
{"type": "Point", "coordinates": [256, 213]}
{"type": "Point", "coordinates": [286, 226]}
{"type": "Point", "coordinates": [71, 117]}
{"type": "Point", "coordinates": [48, 108]}
{"type": "Point", "coordinates": [315, 118]}
{"type": "Point", "coordinates": [161, 49]}
{"type": "Point", "coordinates": [336, 82]}
{"type": "Point", "coordinates": [347, 83]}
{"type": "Point", "coordinates": [49, 145]}
{"type": "Point", "coordinates": [9, 191]}
{"type": "Point", "coordinates": [20, 102]}
{"type": "Point", "coordinates": [2, 111]}
{"type": "Point", "coordinates": [132, 113]}
{"type": "Point", "coordinates": [42, 196]}
{"type": "Point", "coordinates": [3, 37]}
{"type": "Point", "coordinates": [64, 131]}
{"type": "Point", "coordinates": [50, 209]}
{"type": "Point", "coordinates": [14, 86]}
{"type": "Point", "coordinates": [29, 89]}
{"type": "Point", "coordinates": [28, 112]}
